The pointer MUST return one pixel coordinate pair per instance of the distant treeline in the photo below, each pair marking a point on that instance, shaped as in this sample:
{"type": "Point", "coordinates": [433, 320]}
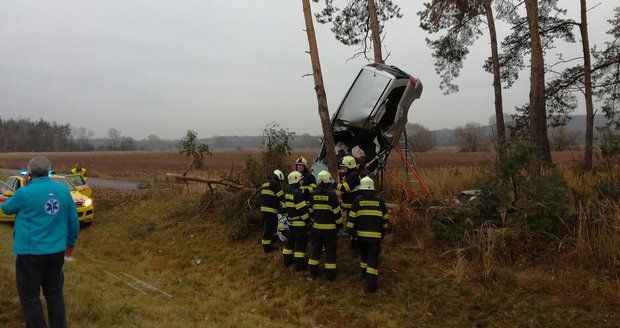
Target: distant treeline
{"type": "Point", "coordinates": [26, 135]}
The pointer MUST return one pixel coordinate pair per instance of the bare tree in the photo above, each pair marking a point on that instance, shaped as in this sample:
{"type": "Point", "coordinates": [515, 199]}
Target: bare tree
{"type": "Point", "coordinates": [420, 138]}
{"type": "Point", "coordinates": [470, 137]}
{"type": "Point", "coordinates": [330, 145]}
{"type": "Point", "coordinates": [563, 139]}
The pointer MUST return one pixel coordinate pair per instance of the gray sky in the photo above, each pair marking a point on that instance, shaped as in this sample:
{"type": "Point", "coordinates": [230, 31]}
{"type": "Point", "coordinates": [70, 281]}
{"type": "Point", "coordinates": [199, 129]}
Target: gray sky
{"type": "Point", "coordinates": [220, 67]}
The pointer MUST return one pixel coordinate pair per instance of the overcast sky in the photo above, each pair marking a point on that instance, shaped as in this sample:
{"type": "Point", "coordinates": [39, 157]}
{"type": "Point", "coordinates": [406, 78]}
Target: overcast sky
{"type": "Point", "coordinates": [220, 67]}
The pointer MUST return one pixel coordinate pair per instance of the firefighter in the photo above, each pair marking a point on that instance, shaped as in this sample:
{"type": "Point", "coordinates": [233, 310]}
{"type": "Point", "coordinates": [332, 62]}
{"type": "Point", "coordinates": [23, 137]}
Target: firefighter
{"type": "Point", "coordinates": [368, 220]}
{"type": "Point", "coordinates": [79, 170]}
{"type": "Point", "coordinates": [270, 199]}
{"type": "Point", "coordinates": [299, 217]}
{"type": "Point", "coordinates": [308, 182]}
{"type": "Point", "coordinates": [327, 219]}
{"type": "Point", "coordinates": [349, 186]}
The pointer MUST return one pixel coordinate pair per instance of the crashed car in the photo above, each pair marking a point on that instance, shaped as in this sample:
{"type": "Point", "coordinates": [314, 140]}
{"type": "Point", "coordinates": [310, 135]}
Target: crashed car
{"type": "Point", "coordinates": [83, 203]}
{"type": "Point", "coordinates": [372, 117]}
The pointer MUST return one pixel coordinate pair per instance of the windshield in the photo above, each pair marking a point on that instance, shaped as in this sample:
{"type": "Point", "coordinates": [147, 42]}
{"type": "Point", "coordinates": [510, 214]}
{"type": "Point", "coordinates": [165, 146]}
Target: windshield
{"type": "Point", "coordinates": [4, 187]}
{"type": "Point", "coordinates": [362, 98]}
{"type": "Point", "coordinates": [65, 181]}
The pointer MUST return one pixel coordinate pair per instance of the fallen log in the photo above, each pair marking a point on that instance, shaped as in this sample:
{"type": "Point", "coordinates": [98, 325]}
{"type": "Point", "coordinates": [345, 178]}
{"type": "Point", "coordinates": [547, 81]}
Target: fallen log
{"type": "Point", "coordinates": [209, 182]}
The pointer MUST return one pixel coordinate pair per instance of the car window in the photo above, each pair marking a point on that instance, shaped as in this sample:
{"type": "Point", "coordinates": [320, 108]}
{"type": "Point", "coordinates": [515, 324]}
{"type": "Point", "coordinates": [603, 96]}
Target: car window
{"type": "Point", "coordinates": [363, 97]}
{"type": "Point", "coordinates": [4, 187]}
{"type": "Point", "coordinates": [75, 179]}
{"type": "Point", "coordinates": [65, 181]}
{"type": "Point", "coordinates": [14, 183]}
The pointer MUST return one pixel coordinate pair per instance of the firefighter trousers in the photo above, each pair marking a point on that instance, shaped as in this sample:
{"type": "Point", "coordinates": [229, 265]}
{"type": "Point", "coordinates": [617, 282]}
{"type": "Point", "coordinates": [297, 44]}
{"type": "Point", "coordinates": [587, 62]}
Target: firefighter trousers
{"type": "Point", "coordinates": [369, 263]}
{"type": "Point", "coordinates": [295, 248]}
{"type": "Point", "coordinates": [324, 239]}
{"type": "Point", "coordinates": [270, 231]}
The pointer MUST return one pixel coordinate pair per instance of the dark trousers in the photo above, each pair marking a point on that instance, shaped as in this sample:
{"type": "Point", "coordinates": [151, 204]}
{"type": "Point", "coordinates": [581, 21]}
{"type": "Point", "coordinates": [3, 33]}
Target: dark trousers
{"type": "Point", "coordinates": [36, 272]}
{"type": "Point", "coordinates": [270, 231]}
{"type": "Point", "coordinates": [295, 248]}
{"type": "Point", "coordinates": [327, 239]}
{"type": "Point", "coordinates": [369, 263]}
{"type": "Point", "coordinates": [351, 234]}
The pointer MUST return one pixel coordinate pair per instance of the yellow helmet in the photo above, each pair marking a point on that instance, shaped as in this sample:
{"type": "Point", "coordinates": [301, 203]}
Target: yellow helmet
{"type": "Point", "coordinates": [367, 184]}
{"type": "Point", "coordinates": [279, 174]}
{"type": "Point", "coordinates": [294, 177]}
{"type": "Point", "coordinates": [325, 177]}
{"type": "Point", "coordinates": [301, 161]}
{"type": "Point", "coordinates": [348, 162]}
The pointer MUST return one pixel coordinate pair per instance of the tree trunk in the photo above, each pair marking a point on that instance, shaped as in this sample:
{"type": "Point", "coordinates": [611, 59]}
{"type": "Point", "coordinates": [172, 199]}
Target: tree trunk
{"type": "Point", "coordinates": [497, 83]}
{"type": "Point", "coordinates": [374, 28]}
{"type": "Point", "coordinates": [328, 137]}
{"type": "Point", "coordinates": [538, 109]}
{"type": "Point", "coordinates": [587, 82]}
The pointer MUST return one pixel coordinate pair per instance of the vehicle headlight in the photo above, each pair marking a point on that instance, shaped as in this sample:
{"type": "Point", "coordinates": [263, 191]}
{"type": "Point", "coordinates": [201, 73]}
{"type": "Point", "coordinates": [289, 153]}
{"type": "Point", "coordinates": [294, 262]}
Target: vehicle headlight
{"type": "Point", "coordinates": [88, 202]}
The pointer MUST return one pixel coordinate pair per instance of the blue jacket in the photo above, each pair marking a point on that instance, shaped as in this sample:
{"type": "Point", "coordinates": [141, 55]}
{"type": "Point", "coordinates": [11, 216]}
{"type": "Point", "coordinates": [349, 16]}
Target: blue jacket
{"type": "Point", "coordinates": [46, 218]}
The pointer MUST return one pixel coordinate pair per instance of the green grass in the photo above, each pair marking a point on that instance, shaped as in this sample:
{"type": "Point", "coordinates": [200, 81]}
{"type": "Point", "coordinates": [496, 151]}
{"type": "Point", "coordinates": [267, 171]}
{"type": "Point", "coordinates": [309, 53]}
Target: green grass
{"type": "Point", "coordinates": [155, 238]}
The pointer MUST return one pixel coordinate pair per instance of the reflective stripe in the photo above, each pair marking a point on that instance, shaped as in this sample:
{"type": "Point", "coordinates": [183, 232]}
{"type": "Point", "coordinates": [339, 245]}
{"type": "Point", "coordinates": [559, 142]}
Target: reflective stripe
{"type": "Point", "coordinates": [300, 254]}
{"type": "Point", "coordinates": [305, 216]}
{"type": "Point", "coordinates": [356, 189]}
{"type": "Point", "coordinates": [287, 251]}
{"type": "Point", "coordinates": [326, 226]}
{"type": "Point", "coordinates": [385, 217]}
{"type": "Point", "coordinates": [339, 221]}
{"type": "Point", "coordinates": [336, 210]}
{"type": "Point", "coordinates": [350, 224]}
{"type": "Point", "coordinates": [299, 206]}
{"type": "Point", "coordinates": [266, 241]}
{"type": "Point", "coordinates": [352, 214]}
{"type": "Point", "coordinates": [321, 197]}
{"type": "Point", "coordinates": [265, 185]}
{"type": "Point", "coordinates": [313, 262]}
{"type": "Point", "coordinates": [370, 213]}
{"type": "Point", "coordinates": [298, 223]}
{"type": "Point", "coordinates": [363, 265]}
{"type": "Point", "coordinates": [372, 271]}
{"type": "Point", "coordinates": [385, 226]}
{"type": "Point", "coordinates": [321, 207]}
{"type": "Point", "coordinates": [280, 193]}
{"type": "Point", "coordinates": [330, 265]}
{"type": "Point", "coordinates": [289, 204]}
{"type": "Point", "coordinates": [267, 192]}
{"type": "Point", "coordinates": [345, 185]}
{"type": "Point", "coordinates": [369, 234]}
{"type": "Point", "coordinates": [268, 209]}
{"type": "Point", "coordinates": [347, 206]}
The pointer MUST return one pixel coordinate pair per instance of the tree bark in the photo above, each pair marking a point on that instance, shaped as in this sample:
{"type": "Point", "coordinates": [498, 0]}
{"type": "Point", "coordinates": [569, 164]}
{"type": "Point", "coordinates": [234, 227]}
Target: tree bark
{"type": "Point", "coordinates": [587, 82]}
{"type": "Point", "coordinates": [328, 137]}
{"type": "Point", "coordinates": [497, 83]}
{"type": "Point", "coordinates": [374, 28]}
{"type": "Point", "coordinates": [538, 108]}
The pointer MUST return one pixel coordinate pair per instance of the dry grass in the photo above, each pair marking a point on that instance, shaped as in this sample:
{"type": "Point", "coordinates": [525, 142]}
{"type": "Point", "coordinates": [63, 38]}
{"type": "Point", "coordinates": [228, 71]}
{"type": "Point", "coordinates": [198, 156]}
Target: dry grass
{"type": "Point", "coordinates": [155, 238]}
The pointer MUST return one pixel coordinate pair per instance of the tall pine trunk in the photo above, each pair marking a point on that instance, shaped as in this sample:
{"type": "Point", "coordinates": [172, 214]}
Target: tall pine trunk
{"type": "Point", "coordinates": [374, 28]}
{"type": "Point", "coordinates": [538, 109]}
{"type": "Point", "coordinates": [587, 82]}
{"type": "Point", "coordinates": [328, 137]}
{"type": "Point", "coordinates": [497, 84]}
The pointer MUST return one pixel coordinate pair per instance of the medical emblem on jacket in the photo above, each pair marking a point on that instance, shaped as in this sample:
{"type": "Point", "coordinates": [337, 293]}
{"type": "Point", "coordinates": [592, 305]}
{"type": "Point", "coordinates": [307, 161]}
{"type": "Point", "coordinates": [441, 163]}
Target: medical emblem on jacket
{"type": "Point", "coordinates": [52, 206]}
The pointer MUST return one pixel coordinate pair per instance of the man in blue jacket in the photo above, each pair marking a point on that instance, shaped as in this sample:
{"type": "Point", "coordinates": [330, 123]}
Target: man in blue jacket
{"type": "Point", "coordinates": [46, 228]}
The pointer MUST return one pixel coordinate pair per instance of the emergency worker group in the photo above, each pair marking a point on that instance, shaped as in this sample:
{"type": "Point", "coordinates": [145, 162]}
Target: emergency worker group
{"type": "Point", "coordinates": [317, 216]}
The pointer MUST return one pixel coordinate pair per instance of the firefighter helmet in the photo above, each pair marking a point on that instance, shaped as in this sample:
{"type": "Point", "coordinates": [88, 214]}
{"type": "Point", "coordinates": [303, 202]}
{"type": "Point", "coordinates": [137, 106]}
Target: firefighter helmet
{"type": "Point", "coordinates": [301, 161]}
{"type": "Point", "coordinates": [348, 162]}
{"type": "Point", "coordinates": [294, 177]}
{"type": "Point", "coordinates": [324, 177]}
{"type": "Point", "coordinates": [367, 184]}
{"type": "Point", "coordinates": [279, 174]}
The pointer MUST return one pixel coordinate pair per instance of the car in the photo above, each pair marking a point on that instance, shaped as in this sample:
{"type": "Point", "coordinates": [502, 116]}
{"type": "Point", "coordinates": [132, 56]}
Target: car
{"type": "Point", "coordinates": [83, 202]}
{"type": "Point", "coordinates": [371, 118]}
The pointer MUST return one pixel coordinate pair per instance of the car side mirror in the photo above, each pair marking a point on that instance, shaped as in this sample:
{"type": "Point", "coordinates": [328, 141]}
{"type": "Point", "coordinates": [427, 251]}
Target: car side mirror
{"type": "Point", "coordinates": [8, 193]}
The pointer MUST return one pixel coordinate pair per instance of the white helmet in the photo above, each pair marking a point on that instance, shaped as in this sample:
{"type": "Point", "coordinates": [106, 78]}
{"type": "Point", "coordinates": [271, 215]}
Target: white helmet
{"type": "Point", "coordinates": [279, 174]}
{"type": "Point", "coordinates": [294, 177]}
{"type": "Point", "coordinates": [367, 184]}
{"type": "Point", "coordinates": [324, 177]}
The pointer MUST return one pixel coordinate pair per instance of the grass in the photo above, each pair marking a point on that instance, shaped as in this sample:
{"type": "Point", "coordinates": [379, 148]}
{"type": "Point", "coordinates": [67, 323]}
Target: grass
{"type": "Point", "coordinates": [155, 237]}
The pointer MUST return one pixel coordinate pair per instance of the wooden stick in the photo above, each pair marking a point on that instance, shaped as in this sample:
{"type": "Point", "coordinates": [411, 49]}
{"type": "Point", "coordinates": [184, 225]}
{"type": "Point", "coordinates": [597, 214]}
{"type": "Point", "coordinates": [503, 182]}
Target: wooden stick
{"type": "Point", "coordinates": [222, 182]}
{"type": "Point", "coordinates": [125, 282]}
{"type": "Point", "coordinates": [151, 287]}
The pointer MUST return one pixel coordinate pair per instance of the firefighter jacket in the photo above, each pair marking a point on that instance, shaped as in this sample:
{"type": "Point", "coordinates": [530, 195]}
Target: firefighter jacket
{"type": "Point", "coordinates": [296, 207]}
{"type": "Point", "coordinates": [325, 209]}
{"type": "Point", "coordinates": [271, 195]}
{"type": "Point", "coordinates": [368, 218]}
{"type": "Point", "coordinates": [349, 187]}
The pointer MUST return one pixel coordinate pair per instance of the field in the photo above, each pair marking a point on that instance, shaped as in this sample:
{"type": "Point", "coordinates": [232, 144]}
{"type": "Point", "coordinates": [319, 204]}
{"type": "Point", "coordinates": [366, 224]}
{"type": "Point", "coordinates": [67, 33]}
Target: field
{"type": "Point", "coordinates": [218, 280]}
{"type": "Point", "coordinates": [141, 165]}
{"type": "Point", "coordinates": [156, 238]}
